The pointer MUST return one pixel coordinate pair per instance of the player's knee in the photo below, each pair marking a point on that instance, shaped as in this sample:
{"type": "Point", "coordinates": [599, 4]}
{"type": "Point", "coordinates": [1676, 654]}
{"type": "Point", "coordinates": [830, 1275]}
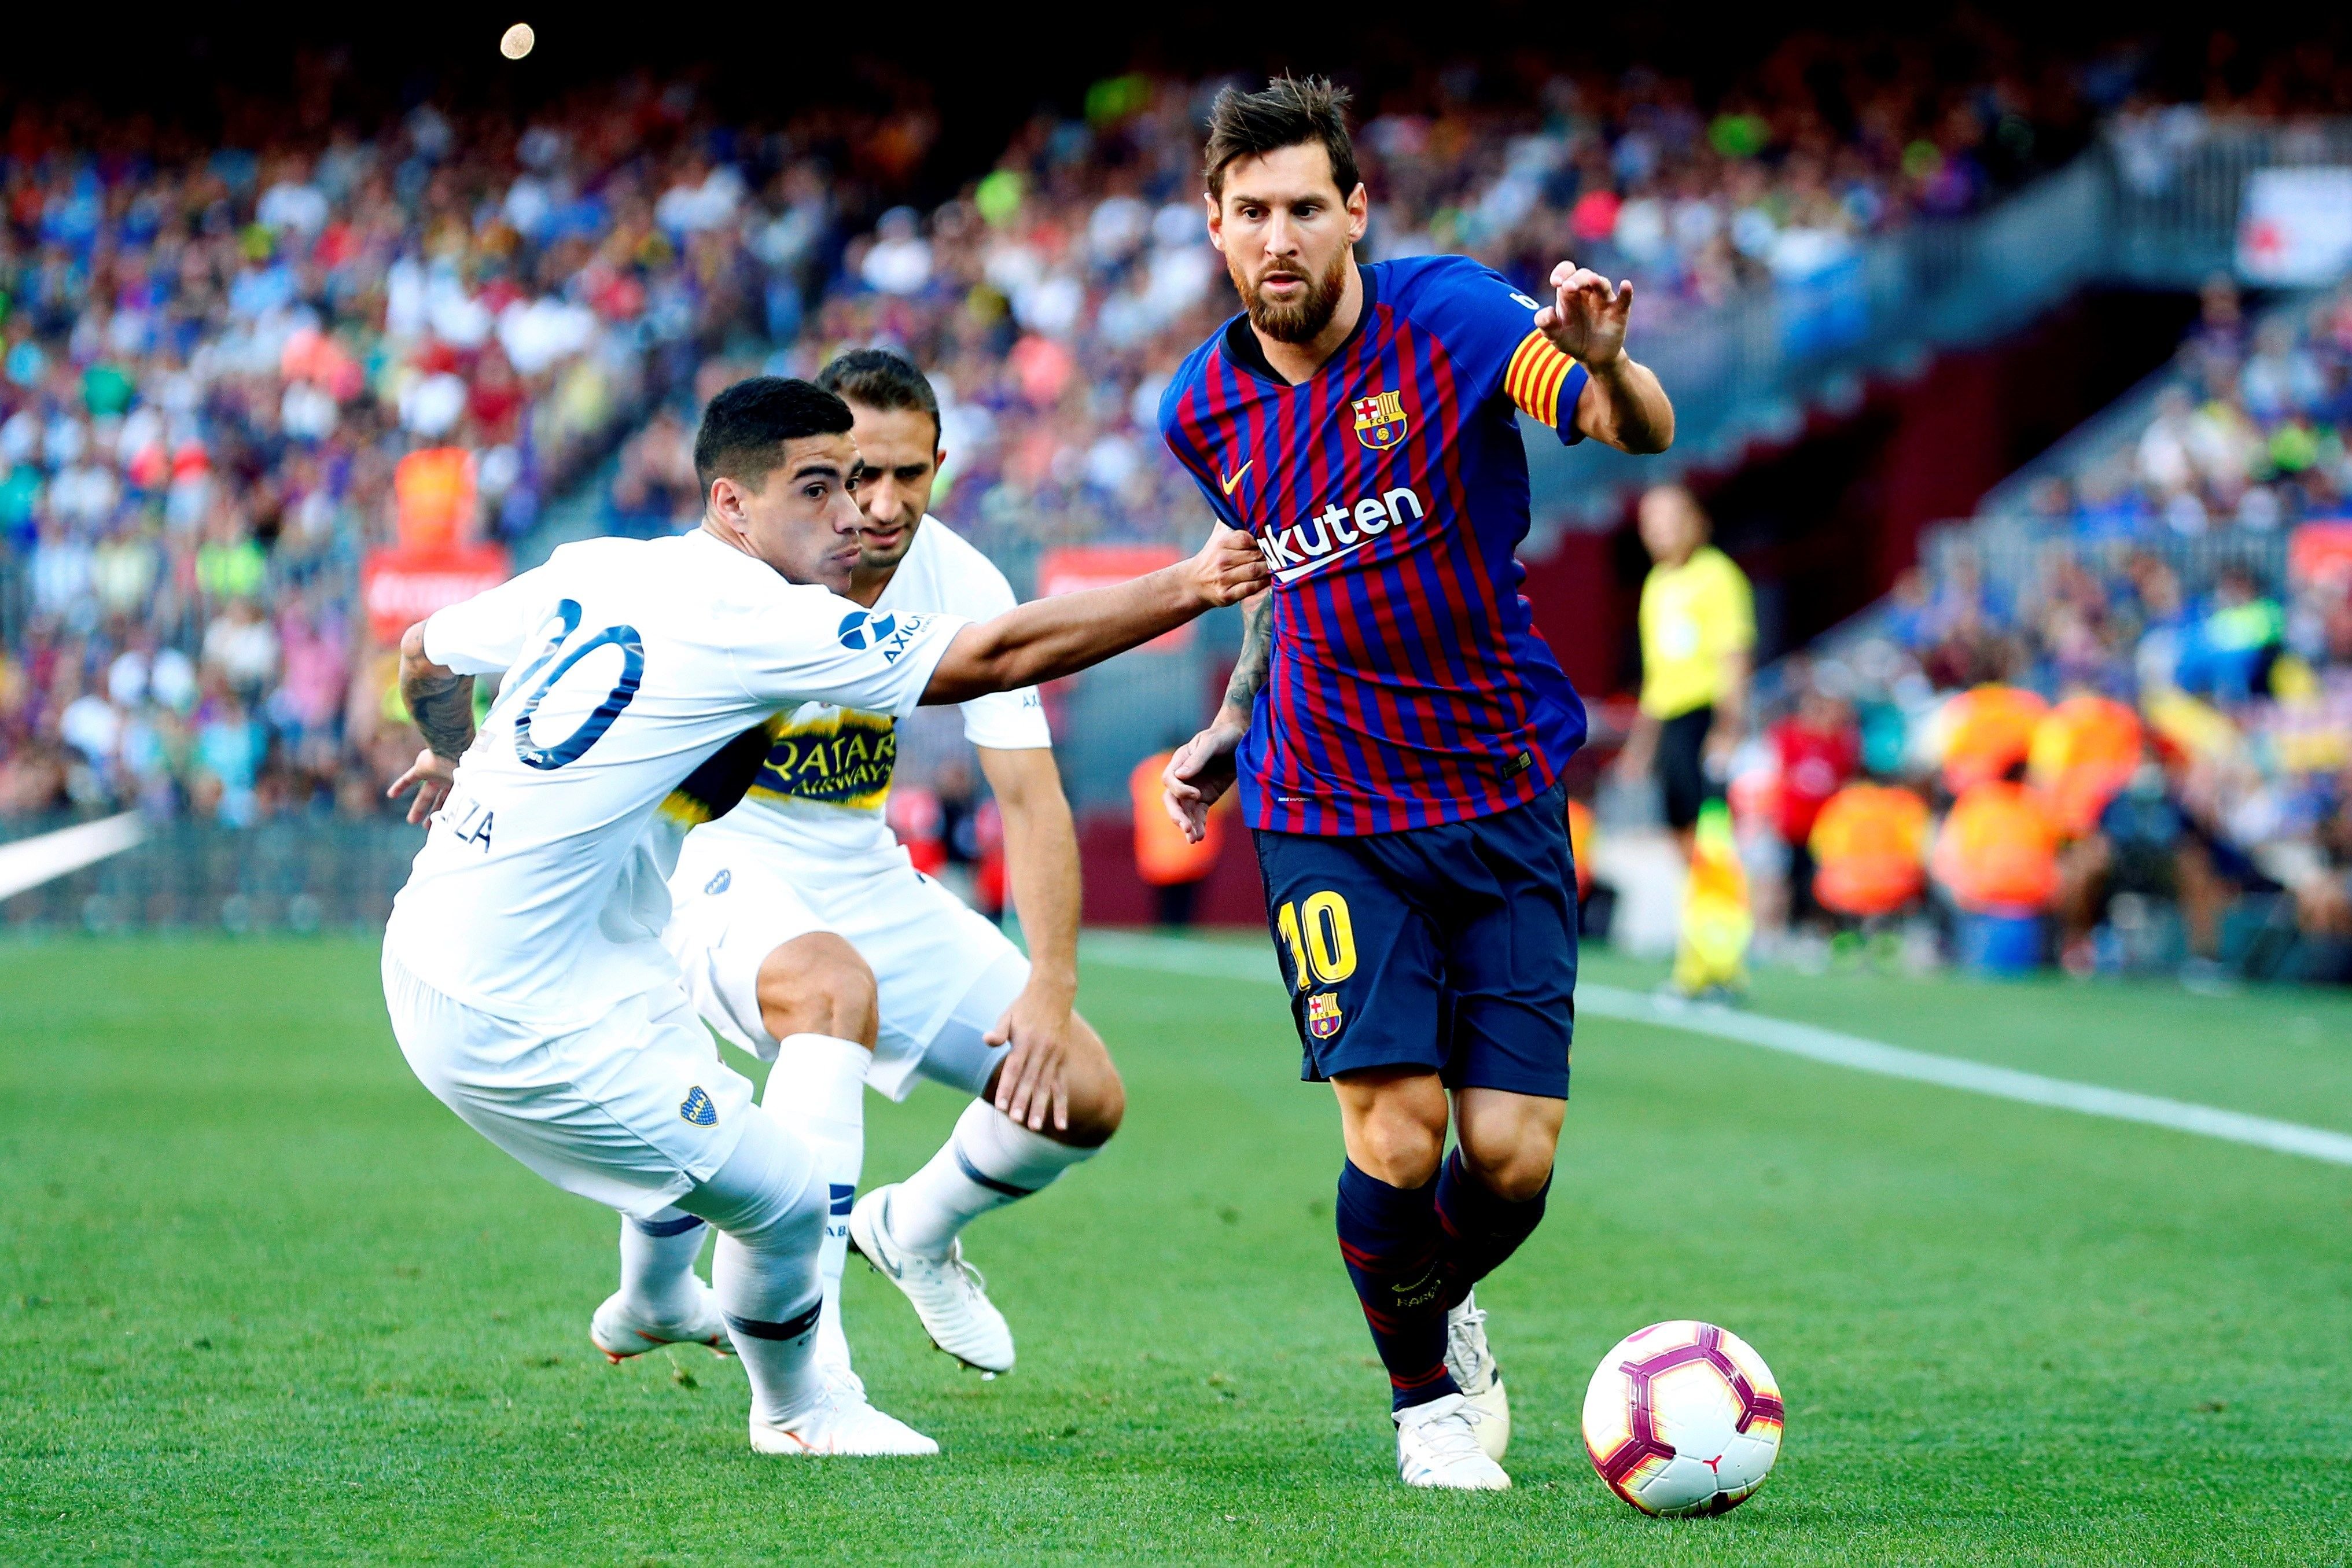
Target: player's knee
{"type": "Point", "coordinates": [1393, 1124]}
{"type": "Point", "coordinates": [1097, 1096]}
{"type": "Point", "coordinates": [1403, 1149]}
{"type": "Point", "coordinates": [817, 984]}
{"type": "Point", "coordinates": [1514, 1169]}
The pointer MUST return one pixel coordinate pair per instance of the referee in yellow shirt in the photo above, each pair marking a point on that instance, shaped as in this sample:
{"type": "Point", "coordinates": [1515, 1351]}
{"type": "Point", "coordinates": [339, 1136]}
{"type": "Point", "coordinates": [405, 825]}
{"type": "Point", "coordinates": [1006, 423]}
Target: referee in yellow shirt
{"type": "Point", "coordinates": [1698, 638]}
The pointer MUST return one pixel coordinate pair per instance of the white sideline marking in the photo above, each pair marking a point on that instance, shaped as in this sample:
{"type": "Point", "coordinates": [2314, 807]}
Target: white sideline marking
{"type": "Point", "coordinates": [1178, 956]}
{"type": "Point", "coordinates": [29, 862]}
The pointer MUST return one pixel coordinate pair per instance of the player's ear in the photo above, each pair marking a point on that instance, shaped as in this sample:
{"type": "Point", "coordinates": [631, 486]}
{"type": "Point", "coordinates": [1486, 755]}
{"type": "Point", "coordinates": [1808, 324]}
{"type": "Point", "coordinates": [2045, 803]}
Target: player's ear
{"type": "Point", "coordinates": [726, 501]}
{"type": "Point", "coordinates": [1360, 213]}
{"type": "Point", "coordinates": [1216, 219]}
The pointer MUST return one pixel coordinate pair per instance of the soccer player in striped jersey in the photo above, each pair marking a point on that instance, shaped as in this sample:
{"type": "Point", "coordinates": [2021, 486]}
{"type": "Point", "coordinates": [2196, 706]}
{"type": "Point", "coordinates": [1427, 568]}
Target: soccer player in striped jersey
{"type": "Point", "coordinates": [1396, 726]}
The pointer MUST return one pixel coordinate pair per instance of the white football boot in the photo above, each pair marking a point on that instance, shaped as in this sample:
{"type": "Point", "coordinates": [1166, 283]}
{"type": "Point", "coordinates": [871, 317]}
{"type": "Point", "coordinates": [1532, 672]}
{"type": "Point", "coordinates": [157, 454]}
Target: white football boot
{"type": "Point", "coordinates": [842, 1424]}
{"type": "Point", "coordinates": [1476, 1373]}
{"type": "Point", "coordinates": [1437, 1445]}
{"type": "Point", "coordinates": [620, 1333]}
{"type": "Point", "coordinates": [948, 1293]}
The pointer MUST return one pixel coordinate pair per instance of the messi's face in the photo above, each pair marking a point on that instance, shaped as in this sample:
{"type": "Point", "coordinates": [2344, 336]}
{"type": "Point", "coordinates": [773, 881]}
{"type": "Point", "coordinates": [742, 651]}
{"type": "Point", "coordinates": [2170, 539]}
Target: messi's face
{"type": "Point", "coordinates": [1288, 234]}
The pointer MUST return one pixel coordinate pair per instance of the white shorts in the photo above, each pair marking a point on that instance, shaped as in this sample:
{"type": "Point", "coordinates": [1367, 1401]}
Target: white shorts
{"type": "Point", "coordinates": [943, 974]}
{"type": "Point", "coordinates": [633, 1110]}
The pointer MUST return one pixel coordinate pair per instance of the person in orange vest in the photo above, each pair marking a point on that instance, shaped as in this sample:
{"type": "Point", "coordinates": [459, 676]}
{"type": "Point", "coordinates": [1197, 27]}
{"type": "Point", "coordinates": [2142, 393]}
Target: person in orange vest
{"type": "Point", "coordinates": [1171, 864]}
{"type": "Point", "coordinates": [1998, 852]}
{"type": "Point", "coordinates": [2083, 753]}
{"type": "Point", "coordinates": [1869, 846]}
{"type": "Point", "coordinates": [1987, 730]}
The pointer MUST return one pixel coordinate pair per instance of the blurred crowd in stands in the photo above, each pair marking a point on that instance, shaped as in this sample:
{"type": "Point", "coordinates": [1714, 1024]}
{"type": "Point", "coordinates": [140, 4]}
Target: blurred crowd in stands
{"type": "Point", "coordinates": [2135, 733]}
{"type": "Point", "coordinates": [2250, 433]}
{"type": "Point", "coordinates": [1051, 298]}
{"type": "Point", "coordinates": [211, 360]}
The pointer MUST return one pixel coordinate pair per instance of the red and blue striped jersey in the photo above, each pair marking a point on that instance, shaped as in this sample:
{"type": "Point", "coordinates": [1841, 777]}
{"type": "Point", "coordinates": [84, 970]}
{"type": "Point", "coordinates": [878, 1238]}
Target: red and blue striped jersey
{"type": "Point", "coordinates": [1406, 683]}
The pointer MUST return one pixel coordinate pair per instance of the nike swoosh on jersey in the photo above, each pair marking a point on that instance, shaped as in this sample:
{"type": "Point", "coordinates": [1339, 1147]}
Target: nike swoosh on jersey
{"type": "Point", "coordinates": [1236, 480]}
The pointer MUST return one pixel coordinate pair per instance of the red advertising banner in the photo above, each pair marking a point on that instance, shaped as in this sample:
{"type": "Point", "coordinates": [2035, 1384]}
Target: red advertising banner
{"type": "Point", "coordinates": [1073, 568]}
{"type": "Point", "coordinates": [400, 586]}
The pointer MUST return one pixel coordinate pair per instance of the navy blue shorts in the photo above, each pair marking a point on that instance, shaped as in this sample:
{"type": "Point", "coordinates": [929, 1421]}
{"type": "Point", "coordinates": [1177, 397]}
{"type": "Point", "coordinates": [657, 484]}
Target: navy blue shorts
{"type": "Point", "coordinates": [1450, 948]}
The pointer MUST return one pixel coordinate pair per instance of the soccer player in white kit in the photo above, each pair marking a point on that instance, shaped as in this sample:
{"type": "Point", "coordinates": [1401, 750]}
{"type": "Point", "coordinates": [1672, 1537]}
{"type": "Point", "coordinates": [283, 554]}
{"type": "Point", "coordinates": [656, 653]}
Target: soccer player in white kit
{"type": "Point", "coordinates": [524, 966]}
{"type": "Point", "coordinates": [806, 936]}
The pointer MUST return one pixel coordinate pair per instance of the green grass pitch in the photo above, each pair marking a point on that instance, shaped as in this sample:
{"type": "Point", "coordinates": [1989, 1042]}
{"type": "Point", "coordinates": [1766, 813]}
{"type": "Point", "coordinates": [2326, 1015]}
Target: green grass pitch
{"type": "Point", "coordinates": [263, 1300]}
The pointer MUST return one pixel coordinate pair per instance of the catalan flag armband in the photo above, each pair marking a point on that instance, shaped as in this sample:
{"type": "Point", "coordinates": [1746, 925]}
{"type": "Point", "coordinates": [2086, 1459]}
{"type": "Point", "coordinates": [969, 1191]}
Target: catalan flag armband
{"type": "Point", "coordinates": [1534, 379]}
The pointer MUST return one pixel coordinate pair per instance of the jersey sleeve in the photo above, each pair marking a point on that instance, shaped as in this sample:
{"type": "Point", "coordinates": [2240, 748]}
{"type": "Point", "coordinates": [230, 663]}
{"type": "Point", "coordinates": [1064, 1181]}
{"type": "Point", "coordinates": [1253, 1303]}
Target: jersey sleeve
{"type": "Point", "coordinates": [823, 648]}
{"type": "Point", "coordinates": [1488, 329]}
{"type": "Point", "coordinates": [1001, 721]}
{"type": "Point", "coordinates": [489, 631]}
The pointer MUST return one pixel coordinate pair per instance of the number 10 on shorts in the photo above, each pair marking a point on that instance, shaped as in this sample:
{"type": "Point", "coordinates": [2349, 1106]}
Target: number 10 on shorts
{"type": "Point", "coordinates": [1320, 937]}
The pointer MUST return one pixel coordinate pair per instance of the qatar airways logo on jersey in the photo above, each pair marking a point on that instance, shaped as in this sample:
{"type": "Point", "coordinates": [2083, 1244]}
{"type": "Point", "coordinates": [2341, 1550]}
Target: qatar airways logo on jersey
{"type": "Point", "coordinates": [1337, 531]}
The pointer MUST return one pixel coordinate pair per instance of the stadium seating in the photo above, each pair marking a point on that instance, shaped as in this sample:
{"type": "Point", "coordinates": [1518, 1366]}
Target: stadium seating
{"type": "Point", "coordinates": [2183, 570]}
{"type": "Point", "coordinates": [210, 361]}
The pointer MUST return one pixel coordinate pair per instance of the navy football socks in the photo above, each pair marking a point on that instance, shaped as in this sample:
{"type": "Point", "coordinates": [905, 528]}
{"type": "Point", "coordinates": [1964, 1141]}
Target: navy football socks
{"type": "Point", "coordinates": [1393, 1244]}
{"type": "Point", "coordinates": [1481, 1228]}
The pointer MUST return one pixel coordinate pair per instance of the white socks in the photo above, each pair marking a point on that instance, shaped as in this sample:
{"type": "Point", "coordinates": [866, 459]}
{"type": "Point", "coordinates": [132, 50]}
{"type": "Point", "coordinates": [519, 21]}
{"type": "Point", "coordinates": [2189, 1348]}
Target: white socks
{"type": "Point", "coordinates": [988, 1161]}
{"type": "Point", "coordinates": [657, 1256]}
{"type": "Point", "coordinates": [769, 1210]}
{"type": "Point", "coordinates": [817, 1088]}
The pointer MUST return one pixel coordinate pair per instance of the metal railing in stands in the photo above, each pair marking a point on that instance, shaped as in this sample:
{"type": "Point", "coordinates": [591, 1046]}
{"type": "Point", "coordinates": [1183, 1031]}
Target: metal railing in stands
{"type": "Point", "coordinates": [2013, 555]}
{"type": "Point", "coordinates": [294, 874]}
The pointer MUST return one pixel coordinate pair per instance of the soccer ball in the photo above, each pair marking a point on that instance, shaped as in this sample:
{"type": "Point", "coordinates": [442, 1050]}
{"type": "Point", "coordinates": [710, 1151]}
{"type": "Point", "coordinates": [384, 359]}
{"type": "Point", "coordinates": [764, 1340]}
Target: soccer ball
{"type": "Point", "coordinates": [1683, 1418]}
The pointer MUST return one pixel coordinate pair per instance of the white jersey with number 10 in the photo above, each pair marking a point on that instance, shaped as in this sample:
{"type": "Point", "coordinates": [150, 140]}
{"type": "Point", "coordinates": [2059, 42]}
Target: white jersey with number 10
{"type": "Point", "coordinates": [539, 895]}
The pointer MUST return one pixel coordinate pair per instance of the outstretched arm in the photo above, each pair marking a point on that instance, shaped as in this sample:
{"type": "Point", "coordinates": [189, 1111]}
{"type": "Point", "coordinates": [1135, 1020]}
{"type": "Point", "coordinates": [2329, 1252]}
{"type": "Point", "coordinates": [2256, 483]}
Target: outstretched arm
{"type": "Point", "coordinates": [1048, 639]}
{"type": "Point", "coordinates": [1622, 403]}
{"type": "Point", "coordinates": [441, 704]}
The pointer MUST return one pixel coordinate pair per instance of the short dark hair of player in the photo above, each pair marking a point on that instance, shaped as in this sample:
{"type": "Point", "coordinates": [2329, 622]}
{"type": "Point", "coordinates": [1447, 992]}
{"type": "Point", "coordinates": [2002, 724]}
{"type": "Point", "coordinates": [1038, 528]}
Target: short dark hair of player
{"type": "Point", "coordinates": [1288, 113]}
{"type": "Point", "coordinates": [882, 379]}
{"type": "Point", "coordinates": [745, 428]}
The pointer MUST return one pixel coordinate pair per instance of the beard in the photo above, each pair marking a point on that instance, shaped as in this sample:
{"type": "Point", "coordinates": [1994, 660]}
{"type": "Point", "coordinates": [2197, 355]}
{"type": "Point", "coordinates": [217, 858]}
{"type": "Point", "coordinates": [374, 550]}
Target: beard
{"type": "Point", "coordinates": [870, 559]}
{"type": "Point", "coordinates": [1304, 319]}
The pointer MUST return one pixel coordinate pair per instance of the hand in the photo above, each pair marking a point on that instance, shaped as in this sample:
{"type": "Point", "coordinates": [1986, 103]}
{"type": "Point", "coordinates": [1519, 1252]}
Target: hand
{"type": "Point", "coordinates": [1031, 1083]}
{"type": "Point", "coordinates": [430, 775]}
{"type": "Point", "coordinates": [1585, 320]}
{"type": "Point", "coordinates": [1721, 742]}
{"type": "Point", "coordinates": [1229, 567]}
{"type": "Point", "coordinates": [1202, 770]}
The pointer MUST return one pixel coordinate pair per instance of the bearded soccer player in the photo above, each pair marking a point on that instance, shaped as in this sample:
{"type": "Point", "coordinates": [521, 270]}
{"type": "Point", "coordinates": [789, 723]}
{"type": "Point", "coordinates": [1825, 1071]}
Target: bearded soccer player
{"type": "Point", "coordinates": [1396, 727]}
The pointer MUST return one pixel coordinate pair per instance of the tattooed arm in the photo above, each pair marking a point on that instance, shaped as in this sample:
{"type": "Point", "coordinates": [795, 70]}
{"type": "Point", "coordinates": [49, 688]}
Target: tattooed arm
{"type": "Point", "coordinates": [1257, 650]}
{"type": "Point", "coordinates": [441, 702]}
{"type": "Point", "coordinates": [1202, 768]}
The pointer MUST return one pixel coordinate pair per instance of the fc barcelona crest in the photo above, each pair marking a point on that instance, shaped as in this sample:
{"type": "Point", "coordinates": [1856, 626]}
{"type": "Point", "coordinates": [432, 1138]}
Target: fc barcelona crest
{"type": "Point", "coordinates": [1380, 421]}
{"type": "Point", "coordinates": [1323, 1018]}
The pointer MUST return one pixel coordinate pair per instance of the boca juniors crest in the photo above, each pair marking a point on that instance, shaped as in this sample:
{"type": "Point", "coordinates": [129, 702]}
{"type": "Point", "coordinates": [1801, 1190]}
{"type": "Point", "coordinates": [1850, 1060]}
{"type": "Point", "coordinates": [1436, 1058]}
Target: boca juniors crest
{"type": "Point", "coordinates": [1380, 421]}
{"type": "Point", "coordinates": [1323, 1018]}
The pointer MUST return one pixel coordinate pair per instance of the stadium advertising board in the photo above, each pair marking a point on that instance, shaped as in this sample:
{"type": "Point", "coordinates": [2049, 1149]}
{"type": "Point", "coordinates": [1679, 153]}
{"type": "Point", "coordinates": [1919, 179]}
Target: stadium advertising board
{"type": "Point", "coordinates": [400, 586]}
{"type": "Point", "coordinates": [1075, 568]}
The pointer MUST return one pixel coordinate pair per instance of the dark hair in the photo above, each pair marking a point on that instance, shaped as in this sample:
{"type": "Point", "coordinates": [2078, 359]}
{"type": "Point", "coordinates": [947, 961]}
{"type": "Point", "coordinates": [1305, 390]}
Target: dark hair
{"type": "Point", "coordinates": [745, 428]}
{"type": "Point", "coordinates": [884, 379]}
{"type": "Point", "coordinates": [1288, 113]}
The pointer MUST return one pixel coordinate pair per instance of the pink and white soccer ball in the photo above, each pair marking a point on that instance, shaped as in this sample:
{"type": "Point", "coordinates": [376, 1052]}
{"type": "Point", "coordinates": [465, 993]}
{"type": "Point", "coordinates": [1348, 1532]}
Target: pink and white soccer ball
{"type": "Point", "coordinates": [1683, 1418]}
